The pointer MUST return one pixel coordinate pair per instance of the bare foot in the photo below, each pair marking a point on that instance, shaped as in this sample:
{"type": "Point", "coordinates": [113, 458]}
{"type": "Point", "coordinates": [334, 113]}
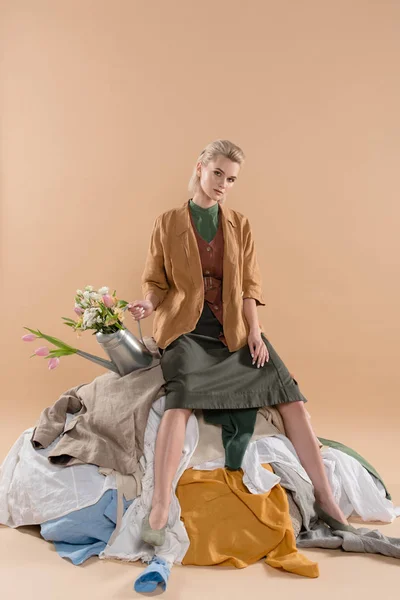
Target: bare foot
{"type": "Point", "coordinates": [159, 516]}
{"type": "Point", "coordinates": [330, 507]}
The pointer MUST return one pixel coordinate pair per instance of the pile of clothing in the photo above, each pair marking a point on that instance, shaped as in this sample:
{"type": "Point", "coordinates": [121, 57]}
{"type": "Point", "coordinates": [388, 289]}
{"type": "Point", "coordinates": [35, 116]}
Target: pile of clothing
{"type": "Point", "coordinates": [85, 475]}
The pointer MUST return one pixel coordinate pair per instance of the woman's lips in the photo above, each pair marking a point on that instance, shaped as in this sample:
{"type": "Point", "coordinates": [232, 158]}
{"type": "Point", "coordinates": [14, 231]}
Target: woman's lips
{"type": "Point", "coordinates": [218, 191]}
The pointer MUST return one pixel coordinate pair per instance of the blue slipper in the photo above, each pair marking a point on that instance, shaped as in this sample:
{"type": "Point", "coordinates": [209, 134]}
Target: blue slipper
{"type": "Point", "coordinates": [156, 573]}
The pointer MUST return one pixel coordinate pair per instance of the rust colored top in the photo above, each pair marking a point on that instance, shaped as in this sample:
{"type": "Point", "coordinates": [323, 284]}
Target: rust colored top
{"type": "Point", "coordinates": [212, 257]}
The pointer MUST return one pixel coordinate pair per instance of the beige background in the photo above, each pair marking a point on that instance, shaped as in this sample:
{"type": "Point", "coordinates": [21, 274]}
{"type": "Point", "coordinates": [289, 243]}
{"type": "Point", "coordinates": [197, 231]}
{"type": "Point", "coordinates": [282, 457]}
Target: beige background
{"type": "Point", "coordinates": [105, 107]}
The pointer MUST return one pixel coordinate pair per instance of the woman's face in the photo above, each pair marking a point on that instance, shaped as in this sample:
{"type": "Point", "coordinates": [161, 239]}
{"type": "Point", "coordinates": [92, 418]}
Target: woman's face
{"type": "Point", "coordinates": [217, 178]}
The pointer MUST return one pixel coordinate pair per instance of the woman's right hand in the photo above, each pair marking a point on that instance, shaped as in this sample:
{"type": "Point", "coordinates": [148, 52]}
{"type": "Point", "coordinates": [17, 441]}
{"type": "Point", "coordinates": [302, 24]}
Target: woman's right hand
{"type": "Point", "coordinates": [140, 309]}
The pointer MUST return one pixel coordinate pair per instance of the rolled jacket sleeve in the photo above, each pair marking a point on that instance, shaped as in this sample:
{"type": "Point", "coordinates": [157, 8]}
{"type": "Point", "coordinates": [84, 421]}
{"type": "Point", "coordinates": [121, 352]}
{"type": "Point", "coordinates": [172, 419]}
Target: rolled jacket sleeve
{"type": "Point", "coordinates": [252, 285]}
{"type": "Point", "coordinates": [52, 420]}
{"type": "Point", "coordinates": [154, 278]}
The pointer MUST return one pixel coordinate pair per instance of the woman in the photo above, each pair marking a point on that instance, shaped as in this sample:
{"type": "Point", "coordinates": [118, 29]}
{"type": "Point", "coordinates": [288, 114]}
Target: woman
{"type": "Point", "coordinates": [202, 279]}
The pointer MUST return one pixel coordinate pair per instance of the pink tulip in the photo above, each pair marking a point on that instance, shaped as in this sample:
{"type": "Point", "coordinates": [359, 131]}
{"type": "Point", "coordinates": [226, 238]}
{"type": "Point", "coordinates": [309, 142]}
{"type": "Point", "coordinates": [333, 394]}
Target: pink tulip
{"type": "Point", "coordinates": [29, 337]}
{"type": "Point", "coordinates": [42, 351]}
{"type": "Point", "coordinates": [108, 300]}
{"type": "Point", "coordinates": [78, 310]}
{"type": "Point", "coordinates": [53, 363]}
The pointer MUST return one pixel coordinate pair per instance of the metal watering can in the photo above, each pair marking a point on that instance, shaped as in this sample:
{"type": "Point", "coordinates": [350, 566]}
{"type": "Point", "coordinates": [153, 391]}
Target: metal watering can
{"type": "Point", "coordinates": [126, 352]}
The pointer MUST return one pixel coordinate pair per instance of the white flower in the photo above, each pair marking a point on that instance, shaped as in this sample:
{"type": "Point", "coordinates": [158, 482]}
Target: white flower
{"type": "Point", "coordinates": [103, 291]}
{"type": "Point", "coordinates": [89, 317]}
{"type": "Point", "coordinates": [98, 320]}
{"type": "Point", "coordinates": [96, 296]}
{"type": "Point", "coordinates": [79, 292]}
{"type": "Point", "coordinates": [89, 288]}
{"type": "Point", "coordinates": [86, 295]}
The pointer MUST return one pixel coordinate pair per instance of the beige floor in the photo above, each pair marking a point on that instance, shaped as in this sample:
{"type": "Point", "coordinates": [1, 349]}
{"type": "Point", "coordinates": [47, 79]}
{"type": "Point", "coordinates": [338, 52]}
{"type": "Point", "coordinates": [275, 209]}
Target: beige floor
{"type": "Point", "coordinates": [31, 569]}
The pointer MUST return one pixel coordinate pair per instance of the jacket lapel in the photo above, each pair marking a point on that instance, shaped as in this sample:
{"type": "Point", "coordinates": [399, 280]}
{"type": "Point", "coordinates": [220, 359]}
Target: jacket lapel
{"type": "Point", "coordinates": [185, 233]}
{"type": "Point", "coordinates": [230, 264]}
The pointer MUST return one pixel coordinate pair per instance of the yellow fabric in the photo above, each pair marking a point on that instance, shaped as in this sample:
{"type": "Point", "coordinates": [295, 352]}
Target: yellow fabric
{"type": "Point", "coordinates": [173, 272]}
{"type": "Point", "coordinates": [229, 526]}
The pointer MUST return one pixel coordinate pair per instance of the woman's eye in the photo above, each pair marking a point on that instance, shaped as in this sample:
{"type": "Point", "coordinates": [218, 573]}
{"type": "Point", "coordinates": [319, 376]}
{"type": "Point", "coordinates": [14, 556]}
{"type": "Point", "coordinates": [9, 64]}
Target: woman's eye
{"type": "Point", "coordinates": [231, 180]}
{"type": "Point", "coordinates": [217, 173]}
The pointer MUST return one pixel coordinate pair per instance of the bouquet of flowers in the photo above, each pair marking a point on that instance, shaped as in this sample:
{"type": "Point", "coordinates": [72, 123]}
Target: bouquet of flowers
{"type": "Point", "coordinates": [96, 309]}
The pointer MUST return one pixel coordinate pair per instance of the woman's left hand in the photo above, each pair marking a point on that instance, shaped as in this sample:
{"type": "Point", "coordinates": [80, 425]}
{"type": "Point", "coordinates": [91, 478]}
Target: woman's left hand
{"type": "Point", "coordinates": [258, 349]}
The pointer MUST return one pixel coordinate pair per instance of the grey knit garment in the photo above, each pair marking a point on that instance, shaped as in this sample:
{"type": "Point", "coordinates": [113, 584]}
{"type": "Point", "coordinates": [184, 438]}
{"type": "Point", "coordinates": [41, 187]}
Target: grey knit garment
{"type": "Point", "coordinates": [295, 515]}
{"type": "Point", "coordinates": [315, 534]}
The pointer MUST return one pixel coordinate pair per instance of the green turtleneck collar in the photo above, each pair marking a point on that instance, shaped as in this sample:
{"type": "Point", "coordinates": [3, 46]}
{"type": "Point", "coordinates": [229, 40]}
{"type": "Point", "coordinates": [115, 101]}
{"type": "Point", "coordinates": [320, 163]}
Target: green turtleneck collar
{"type": "Point", "coordinates": [205, 220]}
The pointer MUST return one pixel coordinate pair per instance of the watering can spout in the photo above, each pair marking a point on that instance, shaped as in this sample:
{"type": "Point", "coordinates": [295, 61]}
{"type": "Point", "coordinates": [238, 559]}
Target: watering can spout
{"type": "Point", "coordinates": [107, 364]}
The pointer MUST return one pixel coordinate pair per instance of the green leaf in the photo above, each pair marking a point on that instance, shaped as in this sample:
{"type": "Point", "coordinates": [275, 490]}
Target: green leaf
{"type": "Point", "coordinates": [68, 319]}
{"type": "Point", "coordinates": [59, 353]}
{"type": "Point", "coordinates": [71, 323]}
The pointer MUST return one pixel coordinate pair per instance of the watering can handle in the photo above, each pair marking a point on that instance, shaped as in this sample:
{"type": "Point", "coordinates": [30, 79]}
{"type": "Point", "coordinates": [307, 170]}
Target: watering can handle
{"type": "Point", "coordinates": [141, 336]}
{"type": "Point", "coordinates": [140, 333]}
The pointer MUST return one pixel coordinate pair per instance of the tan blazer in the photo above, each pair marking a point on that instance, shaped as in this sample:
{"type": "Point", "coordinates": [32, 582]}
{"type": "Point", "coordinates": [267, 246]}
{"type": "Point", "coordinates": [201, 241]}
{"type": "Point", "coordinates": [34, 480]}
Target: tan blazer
{"type": "Point", "coordinates": [174, 274]}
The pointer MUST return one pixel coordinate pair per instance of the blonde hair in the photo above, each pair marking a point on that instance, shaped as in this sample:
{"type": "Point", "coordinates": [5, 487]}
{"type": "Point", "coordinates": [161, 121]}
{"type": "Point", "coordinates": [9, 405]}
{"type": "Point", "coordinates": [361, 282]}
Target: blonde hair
{"type": "Point", "coordinates": [218, 148]}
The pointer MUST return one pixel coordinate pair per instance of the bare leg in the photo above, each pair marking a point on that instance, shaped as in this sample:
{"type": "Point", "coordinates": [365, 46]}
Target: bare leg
{"type": "Point", "coordinates": [299, 431]}
{"type": "Point", "coordinates": [169, 446]}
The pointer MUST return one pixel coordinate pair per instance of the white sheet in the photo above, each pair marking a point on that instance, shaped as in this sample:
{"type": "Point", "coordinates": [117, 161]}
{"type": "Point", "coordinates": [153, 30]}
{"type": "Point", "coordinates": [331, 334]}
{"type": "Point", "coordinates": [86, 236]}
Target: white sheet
{"type": "Point", "coordinates": [32, 490]}
{"type": "Point", "coordinates": [355, 490]}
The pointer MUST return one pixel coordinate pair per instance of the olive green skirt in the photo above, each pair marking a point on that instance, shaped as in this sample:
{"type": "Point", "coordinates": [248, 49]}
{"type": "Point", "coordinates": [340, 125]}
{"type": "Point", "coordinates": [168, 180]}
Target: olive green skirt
{"type": "Point", "coordinates": [201, 373]}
